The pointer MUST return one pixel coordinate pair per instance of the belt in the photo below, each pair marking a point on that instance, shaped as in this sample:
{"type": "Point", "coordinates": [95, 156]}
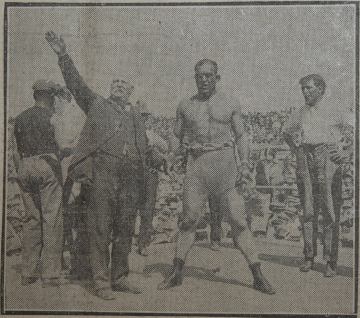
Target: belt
{"type": "Point", "coordinates": [210, 146]}
{"type": "Point", "coordinates": [313, 145]}
{"type": "Point", "coordinates": [124, 158]}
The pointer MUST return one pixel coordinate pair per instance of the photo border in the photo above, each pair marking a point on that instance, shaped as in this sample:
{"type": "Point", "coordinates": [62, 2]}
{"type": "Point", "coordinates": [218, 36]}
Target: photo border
{"type": "Point", "coordinates": [8, 5]}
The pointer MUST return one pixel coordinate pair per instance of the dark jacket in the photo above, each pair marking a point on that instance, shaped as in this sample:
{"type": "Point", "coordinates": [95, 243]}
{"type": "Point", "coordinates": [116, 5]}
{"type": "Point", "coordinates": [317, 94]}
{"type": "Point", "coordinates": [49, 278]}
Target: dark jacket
{"type": "Point", "coordinates": [106, 128]}
{"type": "Point", "coordinates": [34, 133]}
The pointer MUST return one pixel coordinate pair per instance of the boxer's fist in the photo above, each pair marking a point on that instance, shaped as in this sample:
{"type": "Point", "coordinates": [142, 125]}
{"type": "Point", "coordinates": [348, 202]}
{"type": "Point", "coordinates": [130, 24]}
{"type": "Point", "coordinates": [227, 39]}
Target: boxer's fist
{"type": "Point", "coordinates": [244, 180]}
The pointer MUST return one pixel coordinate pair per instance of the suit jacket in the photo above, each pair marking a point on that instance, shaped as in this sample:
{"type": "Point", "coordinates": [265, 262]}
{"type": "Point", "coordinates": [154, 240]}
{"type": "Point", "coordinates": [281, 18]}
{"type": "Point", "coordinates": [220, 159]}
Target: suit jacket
{"type": "Point", "coordinates": [106, 128]}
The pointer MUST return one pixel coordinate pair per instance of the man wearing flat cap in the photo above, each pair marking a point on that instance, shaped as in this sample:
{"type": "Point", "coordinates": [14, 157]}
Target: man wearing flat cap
{"type": "Point", "coordinates": [40, 180]}
{"type": "Point", "coordinates": [110, 157]}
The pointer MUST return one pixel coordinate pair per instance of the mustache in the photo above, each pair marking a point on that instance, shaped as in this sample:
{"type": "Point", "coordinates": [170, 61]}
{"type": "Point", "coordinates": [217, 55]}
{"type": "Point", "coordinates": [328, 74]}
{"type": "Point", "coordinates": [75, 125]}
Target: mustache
{"type": "Point", "coordinates": [120, 89]}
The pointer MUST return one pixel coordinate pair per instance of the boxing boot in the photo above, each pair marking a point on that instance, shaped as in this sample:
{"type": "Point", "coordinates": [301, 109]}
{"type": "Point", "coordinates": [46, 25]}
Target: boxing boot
{"type": "Point", "coordinates": [307, 265]}
{"type": "Point", "coordinates": [176, 276]}
{"type": "Point", "coordinates": [260, 282]}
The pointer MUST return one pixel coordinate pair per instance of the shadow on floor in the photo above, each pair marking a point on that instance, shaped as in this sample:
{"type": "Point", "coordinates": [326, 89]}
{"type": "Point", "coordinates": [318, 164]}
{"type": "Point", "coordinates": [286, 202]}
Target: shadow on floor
{"type": "Point", "coordinates": [294, 261]}
{"type": "Point", "coordinates": [195, 272]}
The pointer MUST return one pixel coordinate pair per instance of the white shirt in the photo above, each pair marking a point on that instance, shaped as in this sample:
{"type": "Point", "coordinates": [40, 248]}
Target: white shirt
{"type": "Point", "coordinates": [68, 122]}
{"type": "Point", "coordinates": [318, 124]}
{"type": "Point", "coordinates": [155, 140]}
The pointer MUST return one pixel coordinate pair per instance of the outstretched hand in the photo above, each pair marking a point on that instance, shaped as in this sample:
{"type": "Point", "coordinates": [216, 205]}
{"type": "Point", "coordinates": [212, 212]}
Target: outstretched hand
{"type": "Point", "coordinates": [56, 42]}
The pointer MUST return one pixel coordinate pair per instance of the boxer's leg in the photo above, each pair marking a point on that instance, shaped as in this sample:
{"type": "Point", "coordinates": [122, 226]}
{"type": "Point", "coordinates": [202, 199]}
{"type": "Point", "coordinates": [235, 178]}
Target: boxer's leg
{"type": "Point", "coordinates": [234, 205]}
{"type": "Point", "coordinates": [243, 239]}
{"type": "Point", "coordinates": [194, 201]}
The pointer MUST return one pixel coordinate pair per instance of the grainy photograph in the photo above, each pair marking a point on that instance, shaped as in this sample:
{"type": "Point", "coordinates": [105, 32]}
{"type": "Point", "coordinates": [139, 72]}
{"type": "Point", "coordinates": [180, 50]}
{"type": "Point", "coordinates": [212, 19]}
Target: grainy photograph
{"type": "Point", "coordinates": [181, 159]}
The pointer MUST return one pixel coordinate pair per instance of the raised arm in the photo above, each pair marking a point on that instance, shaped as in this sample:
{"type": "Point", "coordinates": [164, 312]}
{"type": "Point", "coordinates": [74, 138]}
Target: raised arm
{"type": "Point", "coordinates": [83, 95]}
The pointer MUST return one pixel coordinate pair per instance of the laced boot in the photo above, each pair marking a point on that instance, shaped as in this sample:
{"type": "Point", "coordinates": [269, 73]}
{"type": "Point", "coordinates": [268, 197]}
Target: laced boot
{"type": "Point", "coordinates": [260, 282]}
{"type": "Point", "coordinates": [330, 270]}
{"type": "Point", "coordinates": [176, 276]}
{"type": "Point", "coordinates": [307, 265]}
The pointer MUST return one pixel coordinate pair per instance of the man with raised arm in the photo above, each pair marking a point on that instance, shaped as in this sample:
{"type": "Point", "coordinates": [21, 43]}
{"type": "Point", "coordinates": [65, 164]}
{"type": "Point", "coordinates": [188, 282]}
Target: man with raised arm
{"type": "Point", "coordinates": [109, 156]}
{"type": "Point", "coordinates": [205, 124]}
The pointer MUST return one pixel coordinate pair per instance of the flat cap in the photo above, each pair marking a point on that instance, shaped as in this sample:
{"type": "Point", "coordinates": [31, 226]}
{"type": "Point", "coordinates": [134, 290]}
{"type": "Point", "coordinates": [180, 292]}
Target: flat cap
{"type": "Point", "coordinates": [45, 85]}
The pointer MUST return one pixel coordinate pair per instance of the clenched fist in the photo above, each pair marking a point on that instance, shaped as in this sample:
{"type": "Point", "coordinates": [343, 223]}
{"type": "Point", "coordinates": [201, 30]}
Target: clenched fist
{"type": "Point", "coordinates": [244, 181]}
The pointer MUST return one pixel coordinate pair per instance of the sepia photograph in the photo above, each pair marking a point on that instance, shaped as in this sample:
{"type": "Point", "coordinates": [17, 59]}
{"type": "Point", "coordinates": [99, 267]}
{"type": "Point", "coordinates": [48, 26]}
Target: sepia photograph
{"type": "Point", "coordinates": [181, 158]}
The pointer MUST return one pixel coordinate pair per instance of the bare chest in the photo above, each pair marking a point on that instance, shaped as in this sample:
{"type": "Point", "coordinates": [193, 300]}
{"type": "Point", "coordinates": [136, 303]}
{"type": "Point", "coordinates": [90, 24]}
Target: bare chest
{"type": "Point", "coordinates": [200, 113]}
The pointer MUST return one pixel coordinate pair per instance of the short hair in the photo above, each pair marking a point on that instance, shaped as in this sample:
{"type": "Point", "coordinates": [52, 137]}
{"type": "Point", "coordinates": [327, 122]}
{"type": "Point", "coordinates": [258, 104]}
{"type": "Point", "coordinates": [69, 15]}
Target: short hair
{"type": "Point", "coordinates": [318, 81]}
{"type": "Point", "coordinates": [206, 61]}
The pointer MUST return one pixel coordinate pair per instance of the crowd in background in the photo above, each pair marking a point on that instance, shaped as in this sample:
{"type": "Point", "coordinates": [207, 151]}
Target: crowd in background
{"type": "Point", "coordinates": [264, 127]}
{"type": "Point", "coordinates": [277, 211]}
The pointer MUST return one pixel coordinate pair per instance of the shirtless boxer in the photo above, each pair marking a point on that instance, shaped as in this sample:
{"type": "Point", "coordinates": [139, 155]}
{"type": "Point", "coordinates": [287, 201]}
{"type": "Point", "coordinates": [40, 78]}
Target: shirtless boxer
{"type": "Point", "coordinates": [204, 125]}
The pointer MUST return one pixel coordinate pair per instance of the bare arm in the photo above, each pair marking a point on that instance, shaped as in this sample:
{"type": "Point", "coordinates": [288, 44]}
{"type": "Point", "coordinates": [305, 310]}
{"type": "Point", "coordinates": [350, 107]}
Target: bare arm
{"type": "Point", "coordinates": [242, 138]}
{"type": "Point", "coordinates": [292, 131]}
{"type": "Point", "coordinates": [244, 180]}
{"type": "Point", "coordinates": [84, 96]}
{"type": "Point", "coordinates": [179, 124]}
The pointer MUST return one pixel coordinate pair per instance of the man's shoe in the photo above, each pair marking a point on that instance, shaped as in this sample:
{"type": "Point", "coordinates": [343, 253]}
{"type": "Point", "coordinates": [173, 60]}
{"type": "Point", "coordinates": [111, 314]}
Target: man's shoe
{"type": "Point", "coordinates": [260, 282]}
{"type": "Point", "coordinates": [215, 246]}
{"type": "Point", "coordinates": [123, 285]}
{"type": "Point", "coordinates": [105, 294]}
{"type": "Point", "coordinates": [307, 265]}
{"type": "Point", "coordinates": [176, 276]}
{"type": "Point", "coordinates": [143, 251]}
{"type": "Point", "coordinates": [28, 280]}
{"type": "Point", "coordinates": [330, 270]}
{"type": "Point", "coordinates": [54, 282]}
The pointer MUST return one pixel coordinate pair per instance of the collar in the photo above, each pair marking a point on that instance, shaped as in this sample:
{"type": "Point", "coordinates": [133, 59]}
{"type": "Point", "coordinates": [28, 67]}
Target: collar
{"type": "Point", "coordinates": [316, 107]}
{"type": "Point", "coordinates": [127, 107]}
